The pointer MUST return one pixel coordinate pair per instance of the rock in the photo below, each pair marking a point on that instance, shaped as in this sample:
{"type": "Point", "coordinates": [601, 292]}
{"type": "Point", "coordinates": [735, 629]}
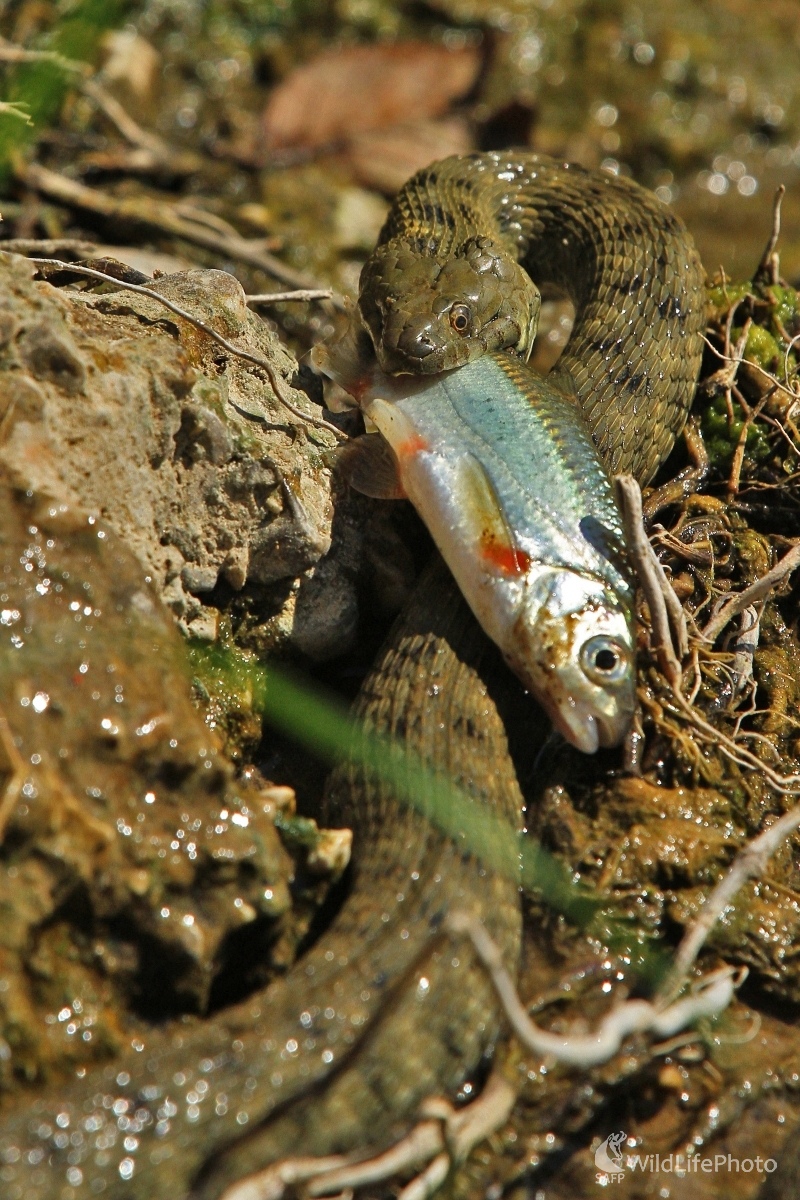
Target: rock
{"type": "Point", "coordinates": [185, 449]}
{"type": "Point", "coordinates": [130, 854]}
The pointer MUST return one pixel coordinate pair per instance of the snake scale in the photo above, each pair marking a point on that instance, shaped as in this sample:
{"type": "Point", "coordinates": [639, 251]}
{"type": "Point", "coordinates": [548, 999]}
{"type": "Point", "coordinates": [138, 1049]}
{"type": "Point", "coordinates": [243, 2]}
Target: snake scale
{"type": "Point", "coordinates": [341, 1053]}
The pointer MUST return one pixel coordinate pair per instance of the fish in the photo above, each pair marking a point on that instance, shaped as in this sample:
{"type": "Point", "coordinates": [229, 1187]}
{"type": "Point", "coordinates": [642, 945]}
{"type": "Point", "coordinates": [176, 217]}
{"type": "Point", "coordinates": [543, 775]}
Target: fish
{"type": "Point", "coordinates": [498, 462]}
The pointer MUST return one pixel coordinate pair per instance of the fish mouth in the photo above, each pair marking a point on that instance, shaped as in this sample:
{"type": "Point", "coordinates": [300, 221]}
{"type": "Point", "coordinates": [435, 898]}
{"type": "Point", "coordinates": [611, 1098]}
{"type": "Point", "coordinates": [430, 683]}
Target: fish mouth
{"type": "Point", "coordinates": [581, 730]}
{"type": "Point", "coordinates": [589, 731]}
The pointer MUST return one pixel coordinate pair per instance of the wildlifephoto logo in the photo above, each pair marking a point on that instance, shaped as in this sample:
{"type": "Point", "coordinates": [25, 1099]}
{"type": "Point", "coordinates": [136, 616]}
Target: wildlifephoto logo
{"type": "Point", "coordinates": [608, 1157]}
{"type": "Point", "coordinates": [612, 1162]}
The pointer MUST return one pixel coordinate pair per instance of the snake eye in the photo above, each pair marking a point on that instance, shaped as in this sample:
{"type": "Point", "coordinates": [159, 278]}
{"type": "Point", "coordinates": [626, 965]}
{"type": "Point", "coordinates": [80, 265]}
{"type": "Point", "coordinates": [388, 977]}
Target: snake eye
{"type": "Point", "coordinates": [604, 660]}
{"type": "Point", "coordinates": [461, 317]}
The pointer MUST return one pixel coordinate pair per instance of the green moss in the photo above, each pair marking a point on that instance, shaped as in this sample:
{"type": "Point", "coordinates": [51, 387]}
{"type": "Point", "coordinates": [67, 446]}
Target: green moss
{"type": "Point", "coordinates": [761, 346]}
{"type": "Point", "coordinates": [724, 295]}
{"type": "Point", "coordinates": [722, 437]}
{"type": "Point", "coordinates": [210, 393]}
{"type": "Point", "coordinates": [230, 678]}
{"type": "Point", "coordinates": [299, 833]}
{"type": "Point", "coordinates": [787, 304]}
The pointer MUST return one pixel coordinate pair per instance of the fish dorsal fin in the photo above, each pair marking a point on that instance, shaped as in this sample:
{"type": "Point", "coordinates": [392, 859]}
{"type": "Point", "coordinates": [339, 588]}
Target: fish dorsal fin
{"type": "Point", "coordinates": [563, 382]}
{"type": "Point", "coordinates": [369, 466]}
{"type": "Point", "coordinates": [350, 361]}
{"type": "Point", "coordinates": [481, 509]}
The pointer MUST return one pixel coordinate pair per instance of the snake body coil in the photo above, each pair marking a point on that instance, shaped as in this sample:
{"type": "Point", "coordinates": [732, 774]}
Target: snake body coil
{"type": "Point", "coordinates": [446, 283]}
{"type": "Point", "coordinates": [341, 1053]}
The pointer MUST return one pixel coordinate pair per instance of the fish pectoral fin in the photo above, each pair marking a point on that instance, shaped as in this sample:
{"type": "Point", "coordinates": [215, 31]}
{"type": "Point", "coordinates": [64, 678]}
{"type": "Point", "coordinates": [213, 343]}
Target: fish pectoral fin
{"type": "Point", "coordinates": [398, 429]}
{"type": "Point", "coordinates": [484, 516]}
{"type": "Point", "coordinates": [369, 466]}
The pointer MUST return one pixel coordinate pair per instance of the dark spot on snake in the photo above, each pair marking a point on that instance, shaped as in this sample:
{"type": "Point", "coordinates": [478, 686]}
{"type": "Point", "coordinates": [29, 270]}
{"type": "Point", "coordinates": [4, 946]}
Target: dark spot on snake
{"type": "Point", "coordinates": [635, 382]}
{"type": "Point", "coordinates": [669, 307]}
{"type": "Point", "coordinates": [629, 287]}
{"type": "Point", "coordinates": [424, 245]}
{"type": "Point", "coordinates": [435, 212]}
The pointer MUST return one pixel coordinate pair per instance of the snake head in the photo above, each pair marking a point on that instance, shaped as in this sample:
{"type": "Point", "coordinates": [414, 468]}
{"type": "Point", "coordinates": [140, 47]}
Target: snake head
{"type": "Point", "coordinates": [427, 314]}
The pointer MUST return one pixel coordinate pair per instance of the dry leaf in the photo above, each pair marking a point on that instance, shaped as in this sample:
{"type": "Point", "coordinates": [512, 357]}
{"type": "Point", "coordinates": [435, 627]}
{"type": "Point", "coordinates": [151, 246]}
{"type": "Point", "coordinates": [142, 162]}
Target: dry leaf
{"type": "Point", "coordinates": [386, 159]}
{"type": "Point", "coordinates": [132, 62]}
{"type": "Point", "coordinates": [345, 92]}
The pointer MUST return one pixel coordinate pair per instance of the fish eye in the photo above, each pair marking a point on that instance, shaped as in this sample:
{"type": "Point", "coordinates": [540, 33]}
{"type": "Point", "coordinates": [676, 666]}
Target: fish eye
{"type": "Point", "coordinates": [604, 660]}
{"type": "Point", "coordinates": [461, 317]}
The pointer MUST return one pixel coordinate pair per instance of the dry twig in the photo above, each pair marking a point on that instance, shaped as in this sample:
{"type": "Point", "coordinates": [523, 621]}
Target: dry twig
{"type": "Point", "coordinates": [130, 129]}
{"type": "Point", "coordinates": [750, 863]}
{"type": "Point", "coordinates": [246, 355]}
{"type": "Point", "coordinates": [19, 111]}
{"type": "Point", "coordinates": [662, 602]}
{"type": "Point", "coordinates": [750, 415]}
{"type": "Point", "coordinates": [162, 217]}
{"type": "Point", "coordinates": [302, 294]}
{"type": "Point", "coordinates": [757, 591]}
{"type": "Point", "coordinates": [754, 366]}
{"type": "Point", "coordinates": [33, 247]}
{"type": "Point", "coordinates": [665, 608]}
{"type": "Point", "coordinates": [768, 269]}
{"type": "Point", "coordinates": [745, 644]}
{"type": "Point", "coordinates": [443, 1137]}
{"type": "Point", "coordinates": [10, 53]}
{"type": "Point", "coordinates": [713, 993]}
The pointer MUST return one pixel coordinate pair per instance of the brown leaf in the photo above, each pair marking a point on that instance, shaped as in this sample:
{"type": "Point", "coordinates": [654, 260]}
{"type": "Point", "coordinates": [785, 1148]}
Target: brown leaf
{"type": "Point", "coordinates": [384, 160]}
{"type": "Point", "coordinates": [349, 91]}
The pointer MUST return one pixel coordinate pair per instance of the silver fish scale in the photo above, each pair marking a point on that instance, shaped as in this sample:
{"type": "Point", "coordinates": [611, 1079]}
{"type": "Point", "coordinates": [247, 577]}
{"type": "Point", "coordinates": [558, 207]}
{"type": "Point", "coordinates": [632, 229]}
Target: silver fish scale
{"type": "Point", "coordinates": [533, 444]}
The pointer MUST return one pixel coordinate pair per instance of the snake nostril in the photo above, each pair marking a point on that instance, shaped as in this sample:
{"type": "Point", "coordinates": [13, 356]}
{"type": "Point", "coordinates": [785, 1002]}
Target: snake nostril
{"type": "Point", "coordinates": [417, 343]}
{"type": "Point", "coordinates": [418, 335]}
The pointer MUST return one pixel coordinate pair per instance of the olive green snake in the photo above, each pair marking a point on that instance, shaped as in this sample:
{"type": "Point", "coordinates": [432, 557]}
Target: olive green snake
{"type": "Point", "coordinates": [341, 1053]}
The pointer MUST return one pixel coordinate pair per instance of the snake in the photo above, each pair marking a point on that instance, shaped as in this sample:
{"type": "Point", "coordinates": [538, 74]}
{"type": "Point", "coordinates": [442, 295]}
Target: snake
{"type": "Point", "coordinates": [381, 1013]}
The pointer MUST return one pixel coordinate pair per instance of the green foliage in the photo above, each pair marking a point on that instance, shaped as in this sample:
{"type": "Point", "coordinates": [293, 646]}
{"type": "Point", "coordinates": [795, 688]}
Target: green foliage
{"type": "Point", "coordinates": [39, 88]}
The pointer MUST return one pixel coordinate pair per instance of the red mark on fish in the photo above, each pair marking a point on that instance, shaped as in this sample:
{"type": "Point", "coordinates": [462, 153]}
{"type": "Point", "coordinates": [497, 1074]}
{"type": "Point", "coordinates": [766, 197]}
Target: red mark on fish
{"type": "Point", "coordinates": [506, 557]}
{"type": "Point", "coordinates": [414, 444]}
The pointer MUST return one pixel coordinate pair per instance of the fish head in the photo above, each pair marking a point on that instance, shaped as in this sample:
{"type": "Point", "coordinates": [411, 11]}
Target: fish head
{"type": "Point", "coordinates": [427, 314]}
{"type": "Point", "coordinates": [573, 646]}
